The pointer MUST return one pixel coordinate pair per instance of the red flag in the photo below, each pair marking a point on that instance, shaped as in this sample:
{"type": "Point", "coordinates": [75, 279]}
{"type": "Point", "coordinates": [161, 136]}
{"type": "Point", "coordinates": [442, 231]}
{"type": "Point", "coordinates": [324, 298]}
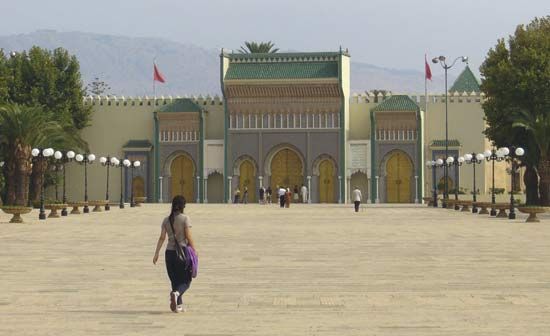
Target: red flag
{"type": "Point", "coordinates": [427, 69]}
{"type": "Point", "coordinates": [157, 76]}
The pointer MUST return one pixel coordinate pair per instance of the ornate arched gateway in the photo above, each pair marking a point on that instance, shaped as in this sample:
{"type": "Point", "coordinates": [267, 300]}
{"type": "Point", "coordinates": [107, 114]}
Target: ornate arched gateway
{"type": "Point", "coordinates": [247, 180]}
{"type": "Point", "coordinates": [182, 172]}
{"type": "Point", "coordinates": [286, 169]}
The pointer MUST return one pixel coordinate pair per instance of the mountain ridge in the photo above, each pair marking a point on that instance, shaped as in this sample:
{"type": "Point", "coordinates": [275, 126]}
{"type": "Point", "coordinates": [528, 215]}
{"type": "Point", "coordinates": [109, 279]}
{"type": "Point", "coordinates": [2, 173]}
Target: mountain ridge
{"type": "Point", "coordinates": [125, 64]}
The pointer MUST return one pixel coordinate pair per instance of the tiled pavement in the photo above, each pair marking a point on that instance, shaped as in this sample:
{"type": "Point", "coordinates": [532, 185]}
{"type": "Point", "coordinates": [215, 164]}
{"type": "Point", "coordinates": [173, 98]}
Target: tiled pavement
{"type": "Point", "coordinates": [307, 270]}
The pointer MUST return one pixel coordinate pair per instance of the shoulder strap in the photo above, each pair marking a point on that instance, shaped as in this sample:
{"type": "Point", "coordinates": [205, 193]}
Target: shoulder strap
{"type": "Point", "coordinates": [173, 231]}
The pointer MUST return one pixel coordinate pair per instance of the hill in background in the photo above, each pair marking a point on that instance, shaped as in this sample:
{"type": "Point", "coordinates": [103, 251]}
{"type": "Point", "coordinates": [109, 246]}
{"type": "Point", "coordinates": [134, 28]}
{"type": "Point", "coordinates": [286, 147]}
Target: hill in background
{"type": "Point", "coordinates": [125, 63]}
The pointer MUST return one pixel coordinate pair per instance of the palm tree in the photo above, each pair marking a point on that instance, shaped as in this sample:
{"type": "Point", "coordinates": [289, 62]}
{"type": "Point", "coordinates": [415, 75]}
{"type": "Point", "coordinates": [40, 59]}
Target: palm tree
{"type": "Point", "coordinates": [258, 48]}
{"type": "Point", "coordinates": [539, 127]}
{"type": "Point", "coordinates": [21, 129]}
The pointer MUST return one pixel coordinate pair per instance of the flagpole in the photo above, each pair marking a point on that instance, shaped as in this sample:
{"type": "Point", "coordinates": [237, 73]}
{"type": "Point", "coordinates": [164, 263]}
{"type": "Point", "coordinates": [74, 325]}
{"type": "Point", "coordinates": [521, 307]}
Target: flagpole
{"type": "Point", "coordinates": [154, 87]}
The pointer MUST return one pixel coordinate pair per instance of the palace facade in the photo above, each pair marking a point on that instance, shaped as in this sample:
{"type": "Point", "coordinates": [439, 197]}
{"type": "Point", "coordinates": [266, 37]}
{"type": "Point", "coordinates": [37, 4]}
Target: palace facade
{"type": "Point", "coordinates": [286, 119]}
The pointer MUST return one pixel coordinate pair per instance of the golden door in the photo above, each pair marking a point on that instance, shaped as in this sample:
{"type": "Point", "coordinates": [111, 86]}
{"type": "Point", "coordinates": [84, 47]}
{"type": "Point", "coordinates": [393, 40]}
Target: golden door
{"type": "Point", "coordinates": [183, 178]}
{"type": "Point", "coordinates": [326, 182]}
{"type": "Point", "coordinates": [139, 186]}
{"type": "Point", "coordinates": [398, 182]}
{"type": "Point", "coordinates": [247, 179]}
{"type": "Point", "coordinates": [286, 170]}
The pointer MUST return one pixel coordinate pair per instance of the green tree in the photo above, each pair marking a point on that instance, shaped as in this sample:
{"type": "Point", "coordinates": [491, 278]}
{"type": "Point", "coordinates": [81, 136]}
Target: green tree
{"type": "Point", "coordinates": [258, 48]}
{"type": "Point", "coordinates": [22, 128]}
{"type": "Point", "coordinates": [516, 83]}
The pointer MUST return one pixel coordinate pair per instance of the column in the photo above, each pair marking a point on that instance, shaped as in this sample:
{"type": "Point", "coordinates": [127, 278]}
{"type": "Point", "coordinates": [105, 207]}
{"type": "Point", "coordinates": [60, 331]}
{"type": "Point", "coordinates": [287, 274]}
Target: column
{"type": "Point", "coordinates": [339, 189]}
{"type": "Point", "coordinates": [416, 189]}
{"type": "Point", "coordinates": [348, 182]}
{"type": "Point", "coordinates": [377, 190]}
{"type": "Point", "coordinates": [309, 189]}
{"type": "Point", "coordinates": [206, 189]}
{"type": "Point", "coordinates": [198, 189]}
{"type": "Point", "coordinates": [261, 179]}
{"type": "Point", "coordinates": [229, 178]}
{"type": "Point", "coordinates": [160, 186]}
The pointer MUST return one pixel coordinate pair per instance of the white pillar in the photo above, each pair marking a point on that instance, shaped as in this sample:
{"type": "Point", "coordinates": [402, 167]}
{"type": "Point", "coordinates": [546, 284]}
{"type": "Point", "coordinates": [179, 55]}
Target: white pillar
{"type": "Point", "coordinates": [198, 189]}
{"type": "Point", "coordinates": [261, 179]}
{"type": "Point", "coordinates": [416, 189]}
{"type": "Point", "coordinates": [309, 189]}
{"type": "Point", "coordinates": [339, 187]}
{"type": "Point", "coordinates": [229, 178]}
{"type": "Point", "coordinates": [206, 189]}
{"type": "Point", "coordinates": [160, 191]}
{"type": "Point", "coordinates": [377, 190]}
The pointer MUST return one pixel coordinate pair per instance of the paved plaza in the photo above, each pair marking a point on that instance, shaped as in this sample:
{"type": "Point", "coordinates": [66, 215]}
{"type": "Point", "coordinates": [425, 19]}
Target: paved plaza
{"type": "Point", "coordinates": [307, 270]}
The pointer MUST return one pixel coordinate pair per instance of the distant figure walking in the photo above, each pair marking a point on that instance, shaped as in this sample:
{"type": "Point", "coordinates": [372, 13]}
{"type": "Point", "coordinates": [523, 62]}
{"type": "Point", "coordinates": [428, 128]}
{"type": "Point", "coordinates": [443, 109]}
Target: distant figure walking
{"type": "Point", "coordinates": [245, 195]}
{"type": "Point", "coordinates": [237, 196]}
{"type": "Point", "coordinates": [268, 193]}
{"type": "Point", "coordinates": [261, 193]}
{"type": "Point", "coordinates": [288, 197]}
{"type": "Point", "coordinates": [303, 192]}
{"type": "Point", "coordinates": [281, 192]}
{"type": "Point", "coordinates": [356, 195]}
{"type": "Point", "coordinates": [178, 228]}
{"type": "Point", "coordinates": [296, 194]}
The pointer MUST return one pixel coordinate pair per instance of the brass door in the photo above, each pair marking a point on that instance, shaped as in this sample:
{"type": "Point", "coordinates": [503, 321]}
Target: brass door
{"type": "Point", "coordinates": [247, 179]}
{"type": "Point", "coordinates": [326, 182]}
{"type": "Point", "coordinates": [286, 170]}
{"type": "Point", "coordinates": [183, 178]}
{"type": "Point", "coordinates": [398, 182]}
{"type": "Point", "coordinates": [139, 186]}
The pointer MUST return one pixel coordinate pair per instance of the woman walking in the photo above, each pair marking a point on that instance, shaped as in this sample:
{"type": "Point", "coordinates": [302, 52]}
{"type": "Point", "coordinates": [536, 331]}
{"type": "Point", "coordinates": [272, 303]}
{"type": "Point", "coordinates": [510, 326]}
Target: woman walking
{"type": "Point", "coordinates": [177, 227]}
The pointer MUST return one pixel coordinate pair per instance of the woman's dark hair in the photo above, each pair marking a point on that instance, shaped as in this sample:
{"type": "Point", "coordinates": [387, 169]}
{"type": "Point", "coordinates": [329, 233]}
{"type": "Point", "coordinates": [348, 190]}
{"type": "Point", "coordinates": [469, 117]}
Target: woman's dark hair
{"type": "Point", "coordinates": [178, 203]}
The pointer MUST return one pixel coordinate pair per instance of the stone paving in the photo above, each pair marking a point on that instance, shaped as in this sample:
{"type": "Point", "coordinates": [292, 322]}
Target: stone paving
{"type": "Point", "coordinates": [307, 270]}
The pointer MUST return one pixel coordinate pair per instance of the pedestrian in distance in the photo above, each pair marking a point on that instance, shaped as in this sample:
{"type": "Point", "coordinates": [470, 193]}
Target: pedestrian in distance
{"type": "Point", "coordinates": [237, 196]}
{"type": "Point", "coordinates": [356, 195]}
{"type": "Point", "coordinates": [245, 195]}
{"type": "Point", "coordinates": [268, 193]}
{"type": "Point", "coordinates": [288, 197]}
{"type": "Point", "coordinates": [296, 194]}
{"type": "Point", "coordinates": [261, 194]}
{"type": "Point", "coordinates": [177, 227]}
{"type": "Point", "coordinates": [303, 192]}
{"type": "Point", "coordinates": [281, 192]}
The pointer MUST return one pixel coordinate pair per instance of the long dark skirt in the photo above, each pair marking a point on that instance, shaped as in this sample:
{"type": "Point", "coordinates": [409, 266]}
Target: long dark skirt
{"type": "Point", "coordinates": [180, 278]}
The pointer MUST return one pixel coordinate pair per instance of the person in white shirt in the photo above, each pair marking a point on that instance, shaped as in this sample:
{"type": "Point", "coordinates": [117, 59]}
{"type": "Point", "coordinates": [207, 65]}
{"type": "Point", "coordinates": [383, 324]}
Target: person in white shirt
{"type": "Point", "coordinates": [356, 195]}
{"type": "Point", "coordinates": [303, 191]}
{"type": "Point", "coordinates": [281, 192]}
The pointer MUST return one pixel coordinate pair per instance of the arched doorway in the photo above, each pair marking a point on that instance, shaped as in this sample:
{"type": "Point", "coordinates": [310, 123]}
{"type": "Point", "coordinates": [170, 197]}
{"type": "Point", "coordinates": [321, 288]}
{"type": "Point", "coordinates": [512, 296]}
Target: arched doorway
{"type": "Point", "coordinates": [247, 179]}
{"type": "Point", "coordinates": [215, 188]}
{"type": "Point", "coordinates": [286, 170]}
{"type": "Point", "coordinates": [182, 171]}
{"type": "Point", "coordinates": [326, 181]}
{"type": "Point", "coordinates": [398, 178]}
{"type": "Point", "coordinates": [138, 186]}
{"type": "Point", "coordinates": [360, 180]}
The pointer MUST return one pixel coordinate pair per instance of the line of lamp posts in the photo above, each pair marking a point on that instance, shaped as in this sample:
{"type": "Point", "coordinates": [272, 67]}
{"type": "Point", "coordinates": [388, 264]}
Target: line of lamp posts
{"type": "Point", "coordinates": [59, 159]}
{"type": "Point", "coordinates": [511, 155]}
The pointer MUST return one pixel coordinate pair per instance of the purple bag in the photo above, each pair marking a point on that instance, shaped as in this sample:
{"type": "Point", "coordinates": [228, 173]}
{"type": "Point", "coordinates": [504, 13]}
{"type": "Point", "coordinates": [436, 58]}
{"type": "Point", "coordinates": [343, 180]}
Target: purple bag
{"type": "Point", "coordinates": [193, 260]}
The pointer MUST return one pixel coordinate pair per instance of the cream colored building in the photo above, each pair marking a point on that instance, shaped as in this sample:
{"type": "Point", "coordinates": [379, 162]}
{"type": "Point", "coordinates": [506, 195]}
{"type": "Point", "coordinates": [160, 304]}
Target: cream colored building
{"type": "Point", "coordinates": [285, 120]}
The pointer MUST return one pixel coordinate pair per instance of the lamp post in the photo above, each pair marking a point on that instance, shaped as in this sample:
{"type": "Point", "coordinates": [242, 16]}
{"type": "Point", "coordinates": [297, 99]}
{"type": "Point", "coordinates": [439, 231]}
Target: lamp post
{"type": "Point", "coordinates": [442, 61]}
{"type": "Point", "coordinates": [57, 167]}
{"type": "Point", "coordinates": [451, 161]}
{"type": "Point", "coordinates": [474, 159]}
{"type": "Point", "coordinates": [433, 165]}
{"type": "Point", "coordinates": [134, 165]}
{"type": "Point", "coordinates": [493, 155]}
{"type": "Point", "coordinates": [108, 162]}
{"type": "Point", "coordinates": [85, 160]}
{"type": "Point", "coordinates": [124, 164]}
{"type": "Point", "coordinates": [512, 155]}
{"type": "Point", "coordinates": [42, 155]}
{"type": "Point", "coordinates": [69, 156]}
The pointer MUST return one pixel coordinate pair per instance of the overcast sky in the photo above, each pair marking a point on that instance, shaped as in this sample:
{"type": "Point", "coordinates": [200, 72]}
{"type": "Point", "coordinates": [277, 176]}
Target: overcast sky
{"type": "Point", "coordinates": [391, 33]}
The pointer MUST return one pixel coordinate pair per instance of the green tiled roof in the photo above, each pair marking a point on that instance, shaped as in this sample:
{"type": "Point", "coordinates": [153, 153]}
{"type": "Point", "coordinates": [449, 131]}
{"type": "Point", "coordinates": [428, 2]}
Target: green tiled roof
{"type": "Point", "coordinates": [466, 82]}
{"type": "Point", "coordinates": [441, 143]}
{"type": "Point", "coordinates": [138, 144]}
{"type": "Point", "coordinates": [397, 103]}
{"type": "Point", "coordinates": [181, 105]}
{"type": "Point", "coordinates": [282, 70]}
{"type": "Point", "coordinates": [300, 56]}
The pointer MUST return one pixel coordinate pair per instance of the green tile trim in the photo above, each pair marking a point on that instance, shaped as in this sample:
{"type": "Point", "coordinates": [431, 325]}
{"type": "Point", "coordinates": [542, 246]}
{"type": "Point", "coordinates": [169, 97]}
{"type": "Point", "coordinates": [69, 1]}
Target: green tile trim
{"type": "Point", "coordinates": [294, 70]}
{"type": "Point", "coordinates": [397, 103]}
{"type": "Point", "coordinates": [466, 82]}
